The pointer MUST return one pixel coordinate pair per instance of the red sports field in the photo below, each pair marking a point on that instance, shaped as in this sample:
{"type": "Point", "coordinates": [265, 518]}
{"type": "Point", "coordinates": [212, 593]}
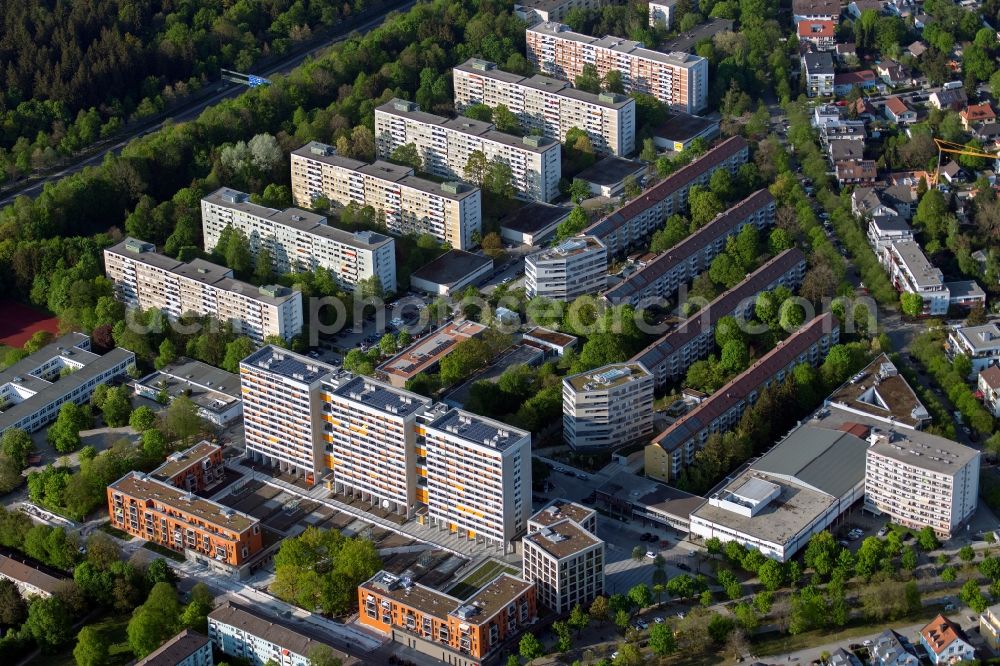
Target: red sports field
{"type": "Point", "coordinates": [18, 323]}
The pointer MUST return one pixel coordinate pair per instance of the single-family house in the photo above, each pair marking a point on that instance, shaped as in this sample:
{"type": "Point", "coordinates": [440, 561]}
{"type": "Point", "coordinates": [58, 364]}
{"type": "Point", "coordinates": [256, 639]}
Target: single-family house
{"type": "Point", "coordinates": [864, 79]}
{"type": "Point", "coordinates": [892, 72]}
{"type": "Point", "coordinates": [893, 649]}
{"type": "Point", "coordinates": [845, 150]}
{"type": "Point", "coordinates": [978, 114]}
{"type": "Point", "coordinates": [945, 642]}
{"type": "Point", "coordinates": [917, 49]}
{"type": "Point", "coordinates": [954, 98]}
{"type": "Point", "coordinates": [815, 10]}
{"type": "Point", "coordinates": [899, 112]}
{"type": "Point", "coordinates": [952, 172]}
{"type": "Point", "coordinates": [844, 51]}
{"type": "Point", "coordinates": [858, 7]}
{"type": "Point", "coordinates": [856, 173]}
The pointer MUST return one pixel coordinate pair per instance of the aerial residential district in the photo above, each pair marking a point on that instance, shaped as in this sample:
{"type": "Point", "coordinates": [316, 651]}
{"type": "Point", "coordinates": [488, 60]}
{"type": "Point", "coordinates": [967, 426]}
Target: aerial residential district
{"type": "Point", "coordinates": [491, 333]}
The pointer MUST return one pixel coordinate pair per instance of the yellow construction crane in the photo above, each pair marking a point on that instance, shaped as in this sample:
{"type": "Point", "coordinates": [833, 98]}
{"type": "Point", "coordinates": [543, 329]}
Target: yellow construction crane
{"type": "Point", "coordinates": [953, 148]}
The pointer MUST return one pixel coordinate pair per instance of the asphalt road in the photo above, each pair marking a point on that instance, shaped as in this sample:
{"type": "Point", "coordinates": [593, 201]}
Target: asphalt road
{"type": "Point", "coordinates": [224, 90]}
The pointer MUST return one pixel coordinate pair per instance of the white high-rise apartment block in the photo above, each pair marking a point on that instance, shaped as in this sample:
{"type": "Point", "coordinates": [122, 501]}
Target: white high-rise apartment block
{"type": "Point", "coordinates": [146, 280]}
{"type": "Point", "coordinates": [299, 240]}
{"type": "Point", "coordinates": [369, 428]}
{"type": "Point", "coordinates": [575, 267]}
{"type": "Point", "coordinates": [549, 105]}
{"type": "Point", "coordinates": [661, 13]}
{"type": "Point", "coordinates": [678, 79]}
{"type": "Point", "coordinates": [919, 480]}
{"type": "Point", "coordinates": [451, 212]}
{"type": "Point", "coordinates": [609, 406]}
{"type": "Point", "coordinates": [478, 475]}
{"type": "Point", "coordinates": [445, 145]}
{"type": "Point", "coordinates": [281, 411]}
{"type": "Point", "coordinates": [392, 448]}
{"type": "Point", "coordinates": [563, 557]}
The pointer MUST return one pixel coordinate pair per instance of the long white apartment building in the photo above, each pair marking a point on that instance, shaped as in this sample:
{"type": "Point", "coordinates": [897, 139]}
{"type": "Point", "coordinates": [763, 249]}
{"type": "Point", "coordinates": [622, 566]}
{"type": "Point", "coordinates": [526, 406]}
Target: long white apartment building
{"type": "Point", "coordinates": [575, 267]}
{"type": "Point", "coordinates": [554, 107]}
{"type": "Point", "coordinates": [392, 448]}
{"type": "Point", "coordinates": [921, 480]}
{"type": "Point", "coordinates": [608, 407]}
{"type": "Point", "coordinates": [912, 272]}
{"type": "Point", "coordinates": [445, 145]}
{"type": "Point", "coordinates": [980, 343]}
{"type": "Point", "coordinates": [662, 276]}
{"type": "Point", "coordinates": [630, 226]}
{"type": "Point", "coordinates": [282, 411]}
{"type": "Point", "coordinates": [146, 280]}
{"type": "Point", "coordinates": [299, 240]}
{"type": "Point", "coordinates": [563, 556]}
{"type": "Point", "coordinates": [677, 79]}
{"type": "Point", "coordinates": [451, 212]}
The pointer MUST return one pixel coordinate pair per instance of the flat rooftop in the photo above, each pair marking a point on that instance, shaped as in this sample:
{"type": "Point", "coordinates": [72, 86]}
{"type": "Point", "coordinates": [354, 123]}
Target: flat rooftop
{"type": "Point", "coordinates": [608, 377]}
{"type": "Point", "coordinates": [181, 460]}
{"type": "Point", "coordinates": [299, 639]}
{"type": "Point", "coordinates": [618, 45]}
{"type": "Point", "coordinates": [933, 453]}
{"type": "Point", "coordinates": [287, 364]}
{"type": "Point", "coordinates": [650, 495]}
{"type": "Point", "coordinates": [377, 395]}
{"type": "Point", "coordinates": [535, 217]}
{"type": "Point", "coordinates": [562, 538]}
{"type": "Point", "coordinates": [925, 274]}
{"type": "Point", "coordinates": [496, 596]}
{"type": "Point", "coordinates": [427, 351]}
{"type": "Point", "coordinates": [881, 392]}
{"type": "Point", "coordinates": [487, 69]}
{"type": "Point", "coordinates": [684, 127]}
{"type": "Point", "coordinates": [550, 336]}
{"type": "Point", "coordinates": [610, 171]}
{"type": "Point", "coordinates": [208, 387]}
{"type": "Point", "coordinates": [452, 266]}
{"type": "Point", "coordinates": [560, 509]}
{"type": "Point", "coordinates": [478, 430]}
{"type": "Point", "coordinates": [568, 248]}
{"type": "Point", "coordinates": [143, 487]}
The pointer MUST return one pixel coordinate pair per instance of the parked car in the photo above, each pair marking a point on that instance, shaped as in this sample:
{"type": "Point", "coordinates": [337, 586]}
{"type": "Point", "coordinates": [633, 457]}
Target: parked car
{"type": "Point", "coordinates": [582, 476]}
{"type": "Point", "coordinates": [883, 531]}
{"type": "Point", "coordinates": [658, 620]}
{"type": "Point", "coordinates": [643, 624]}
{"type": "Point", "coordinates": [683, 567]}
{"type": "Point", "coordinates": [650, 553]}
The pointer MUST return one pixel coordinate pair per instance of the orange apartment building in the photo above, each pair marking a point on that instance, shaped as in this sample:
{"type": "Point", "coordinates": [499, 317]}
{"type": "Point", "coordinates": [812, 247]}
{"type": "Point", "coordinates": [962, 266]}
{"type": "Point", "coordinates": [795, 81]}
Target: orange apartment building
{"type": "Point", "coordinates": [443, 627]}
{"type": "Point", "coordinates": [151, 508]}
{"type": "Point", "coordinates": [196, 469]}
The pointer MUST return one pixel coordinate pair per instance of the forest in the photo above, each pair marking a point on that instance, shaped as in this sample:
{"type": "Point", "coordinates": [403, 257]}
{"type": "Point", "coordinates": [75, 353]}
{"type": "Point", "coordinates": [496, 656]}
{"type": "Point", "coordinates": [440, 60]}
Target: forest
{"type": "Point", "coordinates": [102, 63]}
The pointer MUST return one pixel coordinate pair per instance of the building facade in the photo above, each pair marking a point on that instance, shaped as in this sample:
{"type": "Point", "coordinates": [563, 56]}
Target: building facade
{"type": "Point", "coordinates": [980, 343]}
{"type": "Point", "coordinates": [575, 267]}
{"type": "Point", "coordinates": [445, 145]}
{"type": "Point", "coordinates": [945, 642]}
{"type": "Point", "coordinates": [298, 240]}
{"type": "Point", "coordinates": [630, 225]}
{"type": "Point", "coordinates": [676, 446]}
{"type": "Point", "coordinates": [244, 633]}
{"type": "Point", "coordinates": [564, 559]}
{"type": "Point", "coordinates": [188, 648]}
{"type": "Point", "coordinates": [608, 407]}
{"type": "Point", "coordinates": [451, 212]}
{"type": "Point", "coordinates": [65, 370]}
{"type": "Point", "coordinates": [660, 278]}
{"type": "Point", "coordinates": [678, 79]}
{"type": "Point", "coordinates": [817, 68]}
{"type": "Point", "coordinates": [661, 13]}
{"type": "Point", "coordinates": [30, 580]}
{"type": "Point", "coordinates": [921, 480]}
{"type": "Point", "coordinates": [669, 357]}
{"type": "Point", "coordinates": [549, 105]}
{"type": "Point", "coordinates": [146, 280]}
{"type": "Point", "coordinates": [912, 273]}
{"type": "Point", "coordinates": [443, 627]}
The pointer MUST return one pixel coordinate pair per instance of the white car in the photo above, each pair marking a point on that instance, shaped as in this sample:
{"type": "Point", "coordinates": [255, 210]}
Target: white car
{"type": "Point", "coordinates": [614, 655]}
{"type": "Point", "coordinates": [643, 624]}
{"type": "Point", "coordinates": [658, 620]}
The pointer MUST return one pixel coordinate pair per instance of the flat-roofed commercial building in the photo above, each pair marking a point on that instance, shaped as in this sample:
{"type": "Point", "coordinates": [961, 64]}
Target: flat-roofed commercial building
{"type": "Point", "coordinates": [445, 145]}
{"type": "Point", "coordinates": [146, 280]}
{"type": "Point", "coordinates": [631, 224]}
{"type": "Point", "coordinates": [566, 563]}
{"type": "Point", "coordinates": [533, 223]}
{"type": "Point", "coordinates": [215, 392]}
{"type": "Point", "coordinates": [921, 480]}
{"type": "Point", "coordinates": [678, 79]}
{"type": "Point", "coordinates": [188, 648]}
{"type": "Point", "coordinates": [450, 273]}
{"type": "Point", "coordinates": [478, 475]}
{"type": "Point", "coordinates": [424, 354]}
{"type": "Point", "coordinates": [370, 432]}
{"type": "Point", "coordinates": [282, 411]}
{"type": "Point", "coordinates": [694, 338]}
{"type": "Point", "coordinates": [65, 370]}
{"type": "Point", "coordinates": [680, 130]}
{"type": "Point", "coordinates": [676, 446]}
{"type": "Point", "coordinates": [179, 520]}
{"type": "Point", "coordinates": [662, 277]}
{"type": "Point", "coordinates": [451, 212]}
{"type": "Point", "coordinates": [242, 632]}
{"type": "Point", "coordinates": [800, 487]}
{"type": "Point", "coordinates": [549, 105]}
{"type": "Point", "coordinates": [461, 633]}
{"type": "Point", "coordinates": [608, 407]}
{"type": "Point", "coordinates": [633, 497]}
{"type": "Point", "coordinates": [299, 240]}
{"type": "Point", "coordinates": [575, 267]}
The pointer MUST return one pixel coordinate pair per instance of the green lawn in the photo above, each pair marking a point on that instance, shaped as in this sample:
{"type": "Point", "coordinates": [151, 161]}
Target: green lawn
{"type": "Point", "coordinates": [166, 552]}
{"type": "Point", "coordinates": [113, 629]}
{"type": "Point", "coordinates": [475, 580]}
{"type": "Point", "coordinates": [114, 531]}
